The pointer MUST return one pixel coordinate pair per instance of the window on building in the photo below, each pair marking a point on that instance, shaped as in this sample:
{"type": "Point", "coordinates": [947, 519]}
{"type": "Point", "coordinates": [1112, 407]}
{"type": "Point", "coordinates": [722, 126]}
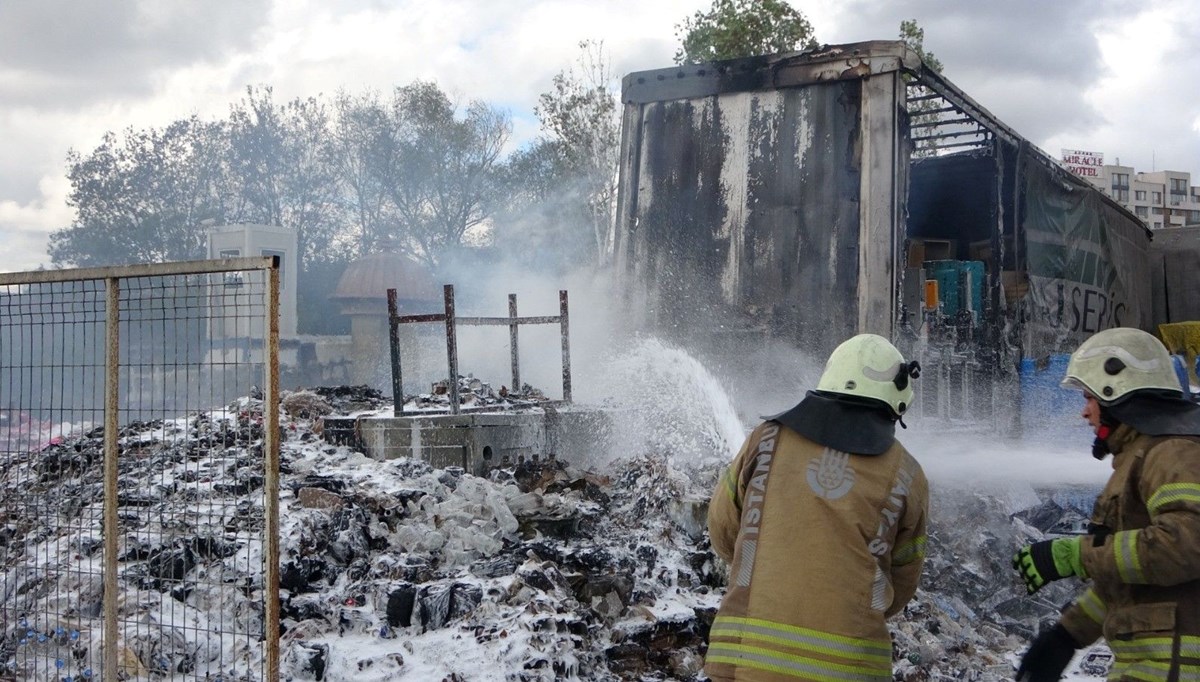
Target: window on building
{"type": "Point", "coordinates": [1120, 180]}
{"type": "Point", "coordinates": [1194, 216]}
{"type": "Point", "coordinates": [1142, 211]}
{"type": "Point", "coordinates": [1178, 186]}
{"type": "Point", "coordinates": [282, 264]}
{"type": "Point", "coordinates": [1158, 210]}
{"type": "Point", "coordinates": [1156, 197]}
{"type": "Point", "coordinates": [1139, 194]}
{"type": "Point", "coordinates": [231, 279]}
{"type": "Point", "coordinates": [1121, 195]}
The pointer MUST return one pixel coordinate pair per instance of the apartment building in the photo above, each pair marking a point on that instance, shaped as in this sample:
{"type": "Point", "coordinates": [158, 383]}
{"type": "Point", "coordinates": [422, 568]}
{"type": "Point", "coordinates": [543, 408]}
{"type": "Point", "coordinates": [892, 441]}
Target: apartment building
{"type": "Point", "coordinates": [1162, 199]}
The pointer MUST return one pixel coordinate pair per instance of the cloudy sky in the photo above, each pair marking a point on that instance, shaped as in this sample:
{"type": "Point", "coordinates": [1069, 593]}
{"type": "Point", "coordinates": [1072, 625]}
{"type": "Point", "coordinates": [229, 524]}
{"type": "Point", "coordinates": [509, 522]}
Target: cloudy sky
{"type": "Point", "coordinates": [1120, 78]}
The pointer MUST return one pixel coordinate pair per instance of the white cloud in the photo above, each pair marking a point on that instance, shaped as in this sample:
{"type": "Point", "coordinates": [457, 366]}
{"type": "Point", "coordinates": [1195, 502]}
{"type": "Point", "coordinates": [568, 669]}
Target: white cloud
{"type": "Point", "coordinates": [27, 226]}
{"type": "Point", "coordinates": [1147, 92]}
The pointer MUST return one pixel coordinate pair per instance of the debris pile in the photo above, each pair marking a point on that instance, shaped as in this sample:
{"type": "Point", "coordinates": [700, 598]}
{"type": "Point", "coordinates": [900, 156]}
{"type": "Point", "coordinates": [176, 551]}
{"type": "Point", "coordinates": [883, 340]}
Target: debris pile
{"type": "Point", "coordinates": [972, 616]}
{"type": "Point", "coordinates": [474, 393]}
{"type": "Point", "coordinates": [393, 569]}
{"type": "Point", "coordinates": [349, 399]}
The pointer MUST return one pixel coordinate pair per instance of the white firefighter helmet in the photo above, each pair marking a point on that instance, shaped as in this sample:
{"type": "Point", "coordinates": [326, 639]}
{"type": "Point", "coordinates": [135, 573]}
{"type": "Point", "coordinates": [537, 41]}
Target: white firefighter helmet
{"type": "Point", "coordinates": [869, 367]}
{"type": "Point", "coordinates": [1117, 362]}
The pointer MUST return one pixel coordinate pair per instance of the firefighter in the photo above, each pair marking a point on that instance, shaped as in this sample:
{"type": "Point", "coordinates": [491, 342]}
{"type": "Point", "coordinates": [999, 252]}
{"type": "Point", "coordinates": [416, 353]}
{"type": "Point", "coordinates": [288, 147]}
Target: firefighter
{"type": "Point", "coordinates": [821, 518]}
{"type": "Point", "coordinates": [1142, 550]}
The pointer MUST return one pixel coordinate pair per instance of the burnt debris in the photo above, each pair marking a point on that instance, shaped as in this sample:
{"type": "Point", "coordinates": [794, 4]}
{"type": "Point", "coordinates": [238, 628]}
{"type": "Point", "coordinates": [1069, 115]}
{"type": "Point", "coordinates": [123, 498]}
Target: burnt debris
{"type": "Point", "coordinates": [540, 568]}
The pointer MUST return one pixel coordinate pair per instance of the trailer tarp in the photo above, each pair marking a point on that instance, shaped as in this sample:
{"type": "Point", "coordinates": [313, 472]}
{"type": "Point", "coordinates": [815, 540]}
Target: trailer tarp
{"type": "Point", "coordinates": [1088, 263]}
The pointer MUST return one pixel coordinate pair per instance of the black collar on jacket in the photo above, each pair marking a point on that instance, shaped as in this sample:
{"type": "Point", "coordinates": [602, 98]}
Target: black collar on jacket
{"type": "Point", "coordinates": [1156, 415]}
{"type": "Point", "coordinates": [840, 424]}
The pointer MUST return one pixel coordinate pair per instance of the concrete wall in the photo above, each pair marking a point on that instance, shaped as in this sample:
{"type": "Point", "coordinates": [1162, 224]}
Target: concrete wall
{"type": "Point", "coordinates": [480, 441]}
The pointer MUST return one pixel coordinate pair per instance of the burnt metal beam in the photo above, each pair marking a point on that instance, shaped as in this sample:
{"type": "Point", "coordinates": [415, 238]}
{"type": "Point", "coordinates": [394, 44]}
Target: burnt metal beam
{"type": "Point", "coordinates": [939, 110]}
{"type": "Point", "coordinates": [513, 325]}
{"type": "Point", "coordinates": [941, 122]}
{"type": "Point", "coordinates": [943, 136]}
{"type": "Point", "coordinates": [968, 143]}
{"type": "Point", "coordinates": [451, 347]}
{"type": "Point", "coordinates": [451, 320]}
{"type": "Point", "coordinates": [434, 317]}
{"type": "Point", "coordinates": [394, 339]}
{"type": "Point", "coordinates": [922, 98]}
{"type": "Point", "coordinates": [566, 344]}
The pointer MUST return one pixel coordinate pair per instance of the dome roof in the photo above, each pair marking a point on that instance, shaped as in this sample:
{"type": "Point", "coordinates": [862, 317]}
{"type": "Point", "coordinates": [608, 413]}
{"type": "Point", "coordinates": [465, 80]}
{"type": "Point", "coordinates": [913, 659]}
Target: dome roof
{"type": "Point", "coordinates": [371, 276]}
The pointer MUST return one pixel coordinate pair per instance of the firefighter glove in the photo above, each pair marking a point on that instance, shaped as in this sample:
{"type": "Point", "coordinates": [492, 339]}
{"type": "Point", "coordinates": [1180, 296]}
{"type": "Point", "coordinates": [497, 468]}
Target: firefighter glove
{"type": "Point", "coordinates": [1047, 656]}
{"type": "Point", "coordinates": [1049, 560]}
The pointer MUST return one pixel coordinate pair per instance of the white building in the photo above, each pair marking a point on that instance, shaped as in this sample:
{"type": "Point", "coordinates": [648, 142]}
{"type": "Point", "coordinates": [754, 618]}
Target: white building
{"type": "Point", "coordinates": [245, 240]}
{"type": "Point", "coordinates": [1162, 199]}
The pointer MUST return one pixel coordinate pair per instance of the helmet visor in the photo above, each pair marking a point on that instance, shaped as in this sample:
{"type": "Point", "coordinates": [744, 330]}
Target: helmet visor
{"type": "Point", "coordinates": [1075, 383]}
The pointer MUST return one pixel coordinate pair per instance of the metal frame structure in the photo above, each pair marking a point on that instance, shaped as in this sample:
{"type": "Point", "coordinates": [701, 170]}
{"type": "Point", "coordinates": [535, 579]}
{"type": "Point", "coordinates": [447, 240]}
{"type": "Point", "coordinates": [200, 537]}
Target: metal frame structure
{"type": "Point", "coordinates": [451, 320]}
{"type": "Point", "coordinates": [55, 300]}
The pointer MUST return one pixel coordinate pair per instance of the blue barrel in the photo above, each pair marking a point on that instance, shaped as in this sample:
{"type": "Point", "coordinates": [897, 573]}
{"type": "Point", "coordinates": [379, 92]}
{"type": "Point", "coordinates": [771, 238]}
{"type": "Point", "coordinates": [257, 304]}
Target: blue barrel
{"type": "Point", "coordinates": [1047, 409]}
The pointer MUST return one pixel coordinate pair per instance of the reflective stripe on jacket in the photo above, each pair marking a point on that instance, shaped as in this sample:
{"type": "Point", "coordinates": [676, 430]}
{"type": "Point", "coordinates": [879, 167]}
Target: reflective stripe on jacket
{"type": "Point", "coordinates": [1145, 593]}
{"type": "Point", "coordinates": [822, 546]}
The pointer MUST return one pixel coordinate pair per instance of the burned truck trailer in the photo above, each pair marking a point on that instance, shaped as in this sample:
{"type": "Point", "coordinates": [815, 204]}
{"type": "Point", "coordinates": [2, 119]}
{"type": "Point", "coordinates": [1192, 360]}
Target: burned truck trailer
{"type": "Point", "coordinates": [809, 196]}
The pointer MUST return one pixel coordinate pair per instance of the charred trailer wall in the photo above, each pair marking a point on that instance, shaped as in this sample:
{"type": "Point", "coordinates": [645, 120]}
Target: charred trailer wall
{"type": "Point", "coordinates": [762, 195]}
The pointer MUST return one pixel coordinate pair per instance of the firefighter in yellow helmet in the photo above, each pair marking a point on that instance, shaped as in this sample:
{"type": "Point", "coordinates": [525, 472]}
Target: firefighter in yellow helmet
{"type": "Point", "coordinates": [1142, 550]}
{"type": "Point", "coordinates": [821, 518]}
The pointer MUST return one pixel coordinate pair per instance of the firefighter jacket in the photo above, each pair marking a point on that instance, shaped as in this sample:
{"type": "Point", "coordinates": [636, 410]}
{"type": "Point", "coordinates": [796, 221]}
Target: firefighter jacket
{"type": "Point", "coordinates": [822, 546]}
{"type": "Point", "coordinates": [1144, 560]}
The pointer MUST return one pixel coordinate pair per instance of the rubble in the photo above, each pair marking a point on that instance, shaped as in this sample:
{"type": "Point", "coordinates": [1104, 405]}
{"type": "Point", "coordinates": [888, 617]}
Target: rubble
{"type": "Point", "coordinates": [474, 393]}
{"type": "Point", "coordinates": [538, 571]}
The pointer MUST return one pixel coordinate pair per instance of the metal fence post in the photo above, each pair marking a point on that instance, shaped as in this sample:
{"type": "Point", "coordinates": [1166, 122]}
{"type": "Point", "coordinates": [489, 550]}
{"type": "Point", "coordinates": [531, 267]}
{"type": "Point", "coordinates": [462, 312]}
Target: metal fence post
{"type": "Point", "coordinates": [112, 375]}
{"type": "Point", "coordinates": [271, 437]}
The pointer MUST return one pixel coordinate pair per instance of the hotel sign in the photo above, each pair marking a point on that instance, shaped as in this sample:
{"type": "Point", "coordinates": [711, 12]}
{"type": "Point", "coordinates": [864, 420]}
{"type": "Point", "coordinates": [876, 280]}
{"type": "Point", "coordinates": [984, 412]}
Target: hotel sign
{"type": "Point", "coordinates": [1086, 164]}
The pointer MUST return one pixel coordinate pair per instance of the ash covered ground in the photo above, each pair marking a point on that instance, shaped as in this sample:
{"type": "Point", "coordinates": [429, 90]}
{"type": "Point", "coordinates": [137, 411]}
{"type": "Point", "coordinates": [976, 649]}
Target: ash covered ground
{"type": "Point", "coordinates": [596, 570]}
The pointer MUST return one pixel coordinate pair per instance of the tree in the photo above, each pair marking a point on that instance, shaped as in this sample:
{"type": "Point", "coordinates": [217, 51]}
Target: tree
{"type": "Point", "coordinates": [284, 163]}
{"type": "Point", "coordinates": [579, 116]}
{"type": "Point", "coordinates": [742, 28]}
{"type": "Point", "coordinates": [362, 122]}
{"type": "Point", "coordinates": [924, 119]}
{"type": "Point", "coordinates": [142, 197]}
{"type": "Point", "coordinates": [914, 36]}
{"type": "Point", "coordinates": [441, 172]}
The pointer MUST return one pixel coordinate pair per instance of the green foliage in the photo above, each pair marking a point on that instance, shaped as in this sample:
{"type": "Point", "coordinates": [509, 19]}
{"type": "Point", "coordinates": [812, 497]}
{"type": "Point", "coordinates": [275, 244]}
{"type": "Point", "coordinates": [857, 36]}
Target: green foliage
{"type": "Point", "coordinates": [561, 190]}
{"type": "Point", "coordinates": [344, 177]}
{"type": "Point", "coordinates": [141, 198]}
{"type": "Point", "coordinates": [283, 162]}
{"type": "Point", "coordinates": [923, 118]}
{"type": "Point", "coordinates": [914, 36]}
{"type": "Point", "coordinates": [742, 28]}
{"type": "Point", "coordinates": [440, 172]}
{"type": "Point", "coordinates": [363, 121]}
